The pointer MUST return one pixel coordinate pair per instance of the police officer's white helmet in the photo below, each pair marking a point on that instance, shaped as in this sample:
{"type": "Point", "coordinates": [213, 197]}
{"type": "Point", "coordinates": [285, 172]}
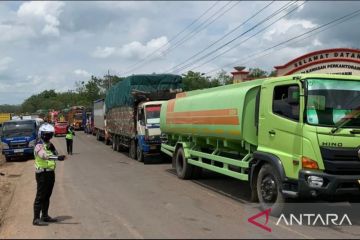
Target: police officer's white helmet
{"type": "Point", "coordinates": [46, 131]}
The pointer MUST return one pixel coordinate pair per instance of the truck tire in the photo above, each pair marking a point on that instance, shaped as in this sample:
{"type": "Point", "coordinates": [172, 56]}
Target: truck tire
{"type": "Point", "coordinates": [121, 148]}
{"type": "Point", "coordinates": [132, 149]}
{"type": "Point", "coordinates": [115, 144]}
{"type": "Point", "coordinates": [7, 158]}
{"type": "Point", "coordinates": [139, 154]}
{"type": "Point", "coordinates": [97, 135]}
{"type": "Point", "coordinates": [183, 169]}
{"type": "Point", "coordinates": [268, 187]}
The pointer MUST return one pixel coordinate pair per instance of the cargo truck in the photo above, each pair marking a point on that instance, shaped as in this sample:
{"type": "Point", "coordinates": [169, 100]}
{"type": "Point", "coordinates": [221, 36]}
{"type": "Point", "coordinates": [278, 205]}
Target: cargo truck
{"type": "Point", "coordinates": [99, 119]}
{"type": "Point", "coordinates": [75, 116]}
{"type": "Point", "coordinates": [133, 112]}
{"type": "Point", "coordinates": [288, 137]}
{"type": "Point", "coordinates": [5, 117]}
{"type": "Point", "coordinates": [18, 138]}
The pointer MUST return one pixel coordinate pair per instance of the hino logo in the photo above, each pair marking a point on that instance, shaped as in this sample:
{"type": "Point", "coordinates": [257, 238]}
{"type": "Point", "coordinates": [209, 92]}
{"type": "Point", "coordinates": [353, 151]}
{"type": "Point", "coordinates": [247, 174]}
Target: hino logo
{"type": "Point", "coordinates": [313, 219]}
{"type": "Point", "coordinates": [332, 144]}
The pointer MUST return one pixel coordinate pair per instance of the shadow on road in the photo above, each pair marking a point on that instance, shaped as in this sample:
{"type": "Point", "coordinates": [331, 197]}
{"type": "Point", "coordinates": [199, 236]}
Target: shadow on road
{"type": "Point", "coordinates": [240, 191]}
{"type": "Point", "coordinates": [229, 187]}
{"type": "Point", "coordinates": [61, 219]}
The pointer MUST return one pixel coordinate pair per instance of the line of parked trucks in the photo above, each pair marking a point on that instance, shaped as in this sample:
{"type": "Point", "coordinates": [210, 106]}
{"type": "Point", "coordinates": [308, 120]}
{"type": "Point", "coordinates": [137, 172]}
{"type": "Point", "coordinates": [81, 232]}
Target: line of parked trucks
{"type": "Point", "coordinates": [294, 136]}
{"type": "Point", "coordinates": [289, 137]}
{"type": "Point", "coordinates": [19, 132]}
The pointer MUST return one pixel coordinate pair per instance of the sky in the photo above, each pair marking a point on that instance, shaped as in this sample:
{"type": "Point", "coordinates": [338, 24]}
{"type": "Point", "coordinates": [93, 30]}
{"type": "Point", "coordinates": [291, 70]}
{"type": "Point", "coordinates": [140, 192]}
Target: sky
{"type": "Point", "coordinates": [53, 45]}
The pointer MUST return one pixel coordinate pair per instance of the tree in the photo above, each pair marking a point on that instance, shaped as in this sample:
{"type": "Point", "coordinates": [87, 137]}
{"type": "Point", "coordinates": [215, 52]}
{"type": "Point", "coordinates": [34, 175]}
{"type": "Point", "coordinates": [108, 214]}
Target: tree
{"type": "Point", "coordinates": [196, 80]}
{"type": "Point", "coordinates": [223, 78]}
{"type": "Point", "coordinates": [272, 73]}
{"type": "Point", "coordinates": [255, 73]}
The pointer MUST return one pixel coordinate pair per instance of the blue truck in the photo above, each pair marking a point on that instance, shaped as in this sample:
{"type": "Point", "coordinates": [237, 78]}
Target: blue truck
{"type": "Point", "coordinates": [132, 113]}
{"type": "Point", "coordinates": [18, 138]}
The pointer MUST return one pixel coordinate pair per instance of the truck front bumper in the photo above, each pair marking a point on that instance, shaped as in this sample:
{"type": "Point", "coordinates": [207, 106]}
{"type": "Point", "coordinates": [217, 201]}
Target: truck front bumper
{"type": "Point", "coordinates": [332, 184]}
{"type": "Point", "coordinates": [149, 149]}
{"type": "Point", "coordinates": [18, 152]}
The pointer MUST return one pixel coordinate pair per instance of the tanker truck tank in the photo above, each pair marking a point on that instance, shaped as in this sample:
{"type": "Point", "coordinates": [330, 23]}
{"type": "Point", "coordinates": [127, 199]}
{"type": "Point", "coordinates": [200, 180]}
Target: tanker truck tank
{"type": "Point", "coordinates": [226, 112]}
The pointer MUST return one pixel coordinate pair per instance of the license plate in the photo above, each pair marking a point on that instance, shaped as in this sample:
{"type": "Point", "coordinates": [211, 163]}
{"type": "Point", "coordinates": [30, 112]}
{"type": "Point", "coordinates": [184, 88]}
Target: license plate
{"type": "Point", "coordinates": [18, 150]}
{"type": "Point", "coordinates": [153, 147]}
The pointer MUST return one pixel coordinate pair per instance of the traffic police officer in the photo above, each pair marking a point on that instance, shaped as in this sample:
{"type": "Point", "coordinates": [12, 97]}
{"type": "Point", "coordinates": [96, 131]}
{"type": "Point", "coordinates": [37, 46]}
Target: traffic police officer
{"type": "Point", "coordinates": [69, 139]}
{"type": "Point", "coordinates": [45, 157]}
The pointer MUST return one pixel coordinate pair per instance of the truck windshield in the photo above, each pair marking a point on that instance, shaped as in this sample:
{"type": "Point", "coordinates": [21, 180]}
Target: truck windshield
{"type": "Point", "coordinates": [18, 128]}
{"type": "Point", "coordinates": [330, 102]}
{"type": "Point", "coordinates": [78, 116]}
{"type": "Point", "coordinates": [153, 114]}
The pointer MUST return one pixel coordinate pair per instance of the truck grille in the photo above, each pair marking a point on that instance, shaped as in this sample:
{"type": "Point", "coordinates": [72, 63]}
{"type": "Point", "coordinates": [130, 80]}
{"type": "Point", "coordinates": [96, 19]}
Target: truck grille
{"type": "Point", "coordinates": [341, 160]}
{"type": "Point", "coordinates": [19, 145]}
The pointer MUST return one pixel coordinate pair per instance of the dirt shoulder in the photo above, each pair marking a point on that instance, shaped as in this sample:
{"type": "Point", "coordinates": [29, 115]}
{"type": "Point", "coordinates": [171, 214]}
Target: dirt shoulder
{"type": "Point", "coordinates": [10, 172]}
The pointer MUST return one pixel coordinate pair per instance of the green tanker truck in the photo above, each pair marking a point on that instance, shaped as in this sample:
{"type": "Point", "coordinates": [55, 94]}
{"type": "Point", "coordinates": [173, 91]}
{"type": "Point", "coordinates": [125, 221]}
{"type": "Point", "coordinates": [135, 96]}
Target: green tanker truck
{"type": "Point", "coordinates": [289, 137]}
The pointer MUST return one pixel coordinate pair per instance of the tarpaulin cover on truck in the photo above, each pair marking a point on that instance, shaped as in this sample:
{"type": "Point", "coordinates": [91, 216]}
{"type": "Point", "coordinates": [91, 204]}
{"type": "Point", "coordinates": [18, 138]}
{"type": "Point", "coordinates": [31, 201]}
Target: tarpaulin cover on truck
{"type": "Point", "coordinates": [121, 93]}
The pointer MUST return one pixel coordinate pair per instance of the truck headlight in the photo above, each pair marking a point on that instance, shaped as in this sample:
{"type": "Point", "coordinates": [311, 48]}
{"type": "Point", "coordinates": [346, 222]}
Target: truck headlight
{"type": "Point", "coordinates": [32, 143]}
{"type": "Point", "coordinates": [315, 181]}
{"type": "Point", "coordinates": [5, 145]}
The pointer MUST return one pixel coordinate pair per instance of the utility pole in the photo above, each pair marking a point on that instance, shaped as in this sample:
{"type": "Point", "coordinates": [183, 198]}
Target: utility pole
{"type": "Point", "coordinates": [109, 80]}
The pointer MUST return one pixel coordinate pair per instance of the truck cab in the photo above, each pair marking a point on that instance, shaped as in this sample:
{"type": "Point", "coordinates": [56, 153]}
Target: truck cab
{"type": "Point", "coordinates": [18, 138]}
{"type": "Point", "coordinates": [148, 129]}
{"type": "Point", "coordinates": [309, 131]}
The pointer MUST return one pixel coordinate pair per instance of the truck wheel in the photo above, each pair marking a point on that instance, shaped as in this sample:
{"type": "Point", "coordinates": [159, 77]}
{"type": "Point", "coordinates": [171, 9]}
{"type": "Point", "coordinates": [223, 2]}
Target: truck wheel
{"type": "Point", "coordinates": [121, 148]}
{"type": "Point", "coordinates": [7, 158]}
{"type": "Point", "coordinates": [269, 190]}
{"type": "Point", "coordinates": [139, 153]}
{"type": "Point", "coordinates": [183, 169]}
{"type": "Point", "coordinates": [132, 149]}
{"type": "Point", "coordinates": [115, 144]}
{"type": "Point", "coordinates": [97, 136]}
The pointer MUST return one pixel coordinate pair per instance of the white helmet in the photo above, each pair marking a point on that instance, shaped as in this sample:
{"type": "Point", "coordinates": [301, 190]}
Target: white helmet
{"type": "Point", "coordinates": [46, 131]}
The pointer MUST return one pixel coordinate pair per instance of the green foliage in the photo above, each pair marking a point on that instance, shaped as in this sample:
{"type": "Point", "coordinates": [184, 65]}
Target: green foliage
{"type": "Point", "coordinates": [255, 73]}
{"type": "Point", "coordinates": [223, 78]}
{"type": "Point", "coordinates": [84, 95]}
{"type": "Point", "coordinates": [6, 108]}
{"type": "Point", "coordinates": [196, 80]}
{"type": "Point", "coordinates": [95, 88]}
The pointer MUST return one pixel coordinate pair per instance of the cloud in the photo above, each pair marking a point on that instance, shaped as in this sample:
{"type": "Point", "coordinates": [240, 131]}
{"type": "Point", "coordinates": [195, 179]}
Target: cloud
{"type": "Point", "coordinates": [81, 72]}
{"type": "Point", "coordinates": [10, 32]}
{"type": "Point", "coordinates": [134, 50]}
{"type": "Point", "coordinates": [284, 26]}
{"type": "Point", "coordinates": [103, 52]}
{"type": "Point", "coordinates": [43, 16]}
{"type": "Point", "coordinates": [4, 63]}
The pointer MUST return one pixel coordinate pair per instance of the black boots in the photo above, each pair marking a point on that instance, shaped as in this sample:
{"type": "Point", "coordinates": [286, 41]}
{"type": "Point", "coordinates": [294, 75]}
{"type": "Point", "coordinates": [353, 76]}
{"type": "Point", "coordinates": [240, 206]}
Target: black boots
{"type": "Point", "coordinates": [38, 222]}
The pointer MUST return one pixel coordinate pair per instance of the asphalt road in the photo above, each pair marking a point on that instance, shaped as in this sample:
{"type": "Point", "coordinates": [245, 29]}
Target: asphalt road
{"type": "Point", "coordinates": [100, 193]}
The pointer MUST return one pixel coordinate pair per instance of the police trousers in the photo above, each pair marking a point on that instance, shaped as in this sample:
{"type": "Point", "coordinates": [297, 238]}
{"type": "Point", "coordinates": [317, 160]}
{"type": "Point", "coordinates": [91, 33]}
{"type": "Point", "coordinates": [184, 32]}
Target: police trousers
{"type": "Point", "coordinates": [69, 146]}
{"type": "Point", "coordinates": [45, 184]}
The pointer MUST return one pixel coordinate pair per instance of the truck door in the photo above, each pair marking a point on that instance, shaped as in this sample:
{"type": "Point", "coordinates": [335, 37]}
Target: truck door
{"type": "Point", "coordinates": [140, 121]}
{"type": "Point", "coordinates": [280, 124]}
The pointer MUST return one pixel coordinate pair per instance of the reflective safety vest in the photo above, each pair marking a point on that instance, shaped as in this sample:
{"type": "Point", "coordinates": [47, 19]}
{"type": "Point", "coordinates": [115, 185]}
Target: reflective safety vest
{"type": "Point", "coordinates": [69, 135]}
{"type": "Point", "coordinates": [44, 163]}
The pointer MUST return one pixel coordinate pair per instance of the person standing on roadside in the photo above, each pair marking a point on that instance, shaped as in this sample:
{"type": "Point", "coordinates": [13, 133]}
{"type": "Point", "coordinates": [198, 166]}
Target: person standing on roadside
{"type": "Point", "coordinates": [69, 139]}
{"type": "Point", "coordinates": [45, 157]}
